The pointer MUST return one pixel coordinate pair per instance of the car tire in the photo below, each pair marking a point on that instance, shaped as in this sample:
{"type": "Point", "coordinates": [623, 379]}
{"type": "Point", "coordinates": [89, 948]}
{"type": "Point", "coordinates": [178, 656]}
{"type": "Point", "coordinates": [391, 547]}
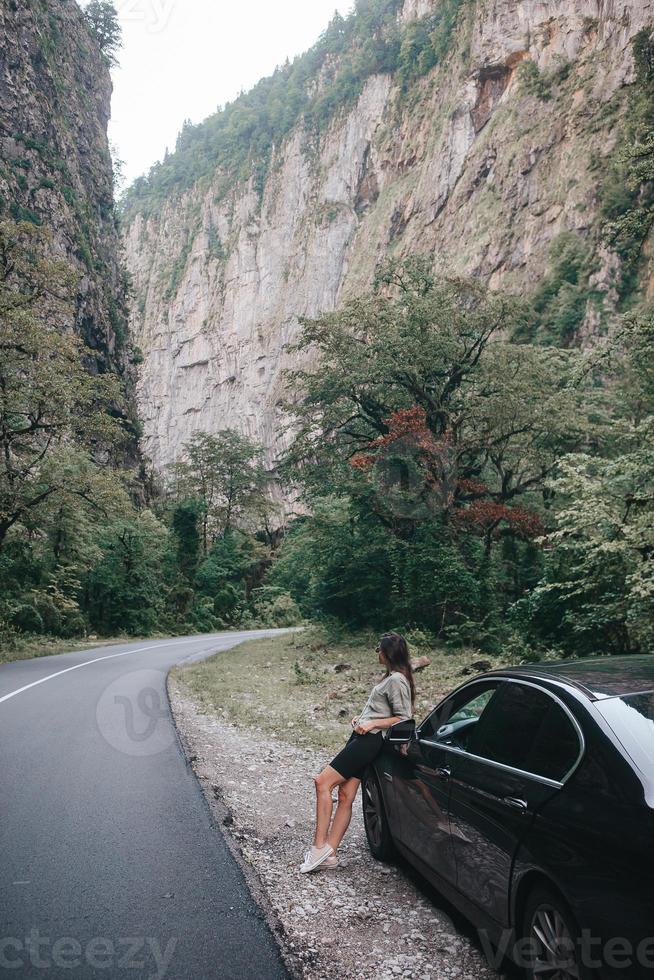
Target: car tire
{"type": "Point", "coordinates": [378, 832]}
{"type": "Point", "coordinates": [552, 929]}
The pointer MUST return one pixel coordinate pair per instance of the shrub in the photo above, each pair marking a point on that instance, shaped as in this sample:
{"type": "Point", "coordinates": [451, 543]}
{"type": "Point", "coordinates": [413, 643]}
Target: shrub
{"type": "Point", "coordinates": [275, 608]}
{"type": "Point", "coordinates": [533, 80]}
{"type": "Point", "coordinates": [49, 613]}
{"type": "Point", "coordinates": [73, 626]}
{"type": "Point", "coordinates": [27, 619]}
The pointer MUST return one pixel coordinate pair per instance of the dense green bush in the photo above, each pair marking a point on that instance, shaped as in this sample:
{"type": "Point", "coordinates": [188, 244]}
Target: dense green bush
{"type": "Point", "coordinates": [342, 563]}
{"type": "Point", "coordinates": [275, 608]}
{"type": "Point", "coordinates": [533, 81]}
{"type": "Point", "coordinates": [27, 619]}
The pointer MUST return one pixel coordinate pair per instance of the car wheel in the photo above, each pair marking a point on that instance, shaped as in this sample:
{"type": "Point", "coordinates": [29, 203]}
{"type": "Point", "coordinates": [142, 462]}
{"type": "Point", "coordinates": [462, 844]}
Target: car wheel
{"type": "Point", "coordinates": [553, 949]}
{"type": "Point", "coordinates": [378, 833]}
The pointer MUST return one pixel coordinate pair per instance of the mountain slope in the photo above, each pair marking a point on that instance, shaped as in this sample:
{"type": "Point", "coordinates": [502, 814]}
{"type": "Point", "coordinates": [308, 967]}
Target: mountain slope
{"type": "Point", "coordinates": [55, 165]}
{"type": "Point", "coordinates": [481, 131]}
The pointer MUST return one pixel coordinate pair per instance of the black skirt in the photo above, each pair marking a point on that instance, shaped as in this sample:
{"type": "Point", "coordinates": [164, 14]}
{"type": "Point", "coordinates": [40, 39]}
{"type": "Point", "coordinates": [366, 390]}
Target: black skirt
{"type": "Point", "coordinates": [357, 755]}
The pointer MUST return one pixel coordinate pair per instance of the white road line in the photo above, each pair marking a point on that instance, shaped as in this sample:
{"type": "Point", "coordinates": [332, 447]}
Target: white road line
{"type": "Point", "coordinates": [87, 663]}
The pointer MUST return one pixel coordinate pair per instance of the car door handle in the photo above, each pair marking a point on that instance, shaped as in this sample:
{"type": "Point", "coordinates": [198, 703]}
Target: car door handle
{"type": "Point", "coordinates": [444, 772]}
{"type": "Point", "coordinates": [516, 804]}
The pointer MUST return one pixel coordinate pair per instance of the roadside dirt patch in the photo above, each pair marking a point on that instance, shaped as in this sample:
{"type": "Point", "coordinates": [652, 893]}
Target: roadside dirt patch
{"type": "Point", "coordinates": [364, 920]}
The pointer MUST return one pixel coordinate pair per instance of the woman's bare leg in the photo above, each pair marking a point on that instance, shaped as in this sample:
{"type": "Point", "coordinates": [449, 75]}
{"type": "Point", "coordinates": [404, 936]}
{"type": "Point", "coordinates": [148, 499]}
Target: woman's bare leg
{"type": "Point", "coordinates": [347, 792]}
{"type": "Point", "coordinates": [325, 783]}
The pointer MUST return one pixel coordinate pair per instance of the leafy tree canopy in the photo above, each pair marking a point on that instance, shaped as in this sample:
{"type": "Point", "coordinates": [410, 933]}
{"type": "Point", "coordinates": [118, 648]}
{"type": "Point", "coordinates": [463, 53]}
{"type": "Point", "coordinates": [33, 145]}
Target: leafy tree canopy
{"type": "Point", "coordinates": [225, 473]}
{"type": "Point", "coordinates": [103, 21]}
{"type": "Point", "coordinates": [419, 403]}
{"type": "Point", "coordinates": [597, 594]}
{"type": "Point", "coordinates": [52, 410]}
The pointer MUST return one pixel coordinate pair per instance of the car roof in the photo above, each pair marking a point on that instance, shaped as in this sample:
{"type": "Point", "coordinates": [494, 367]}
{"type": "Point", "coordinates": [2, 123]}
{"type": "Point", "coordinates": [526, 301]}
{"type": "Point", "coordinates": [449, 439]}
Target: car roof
{"type": "Point", "coordinates": [596, 677]}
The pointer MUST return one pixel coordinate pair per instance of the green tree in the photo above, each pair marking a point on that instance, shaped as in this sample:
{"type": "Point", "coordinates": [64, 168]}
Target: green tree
{"type": "Point", "coordinates": [52, 410]}
{"type": "Point", "coordinates": [105, 26]}
{"type": "Point", "coordinates": [421, 375]}
{"type": "Point", "coordinates": [341, 562]}
{"type": "Point", "coordinates": [186, 528]}
{"type": "Point", "coordinates": [335, 563]}
{"type": "Point", "coordinates": [229, 573]}
{"type": "Point", "coordinates": [426, 441]}
{"type": "Point", "coordinates": [125, 591]}
{"type": "Point", "coordinates": [225, 473]}
{"type": "Point", "coordinates": [597, 594]}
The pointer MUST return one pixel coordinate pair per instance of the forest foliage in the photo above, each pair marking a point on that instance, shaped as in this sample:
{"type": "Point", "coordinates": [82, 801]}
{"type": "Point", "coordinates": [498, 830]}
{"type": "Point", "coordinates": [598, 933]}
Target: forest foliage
{"type": "Point", "coordinates": [83, 548]}
{"type": "Point", "coordinates": [489, 491]}
{"type": "Point", "coordinates": [459, 466]}
{"type": "Point", "coordinates": [449, 477]}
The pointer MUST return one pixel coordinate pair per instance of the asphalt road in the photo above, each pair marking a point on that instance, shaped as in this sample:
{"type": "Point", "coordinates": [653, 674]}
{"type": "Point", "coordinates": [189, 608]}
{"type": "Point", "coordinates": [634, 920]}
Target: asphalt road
{"type": "Point", "coordinates": [110, 864]}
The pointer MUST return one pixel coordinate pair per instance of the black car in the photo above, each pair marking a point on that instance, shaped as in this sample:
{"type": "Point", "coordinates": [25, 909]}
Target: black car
{"type": "Point", "coordinates": [527, 798]}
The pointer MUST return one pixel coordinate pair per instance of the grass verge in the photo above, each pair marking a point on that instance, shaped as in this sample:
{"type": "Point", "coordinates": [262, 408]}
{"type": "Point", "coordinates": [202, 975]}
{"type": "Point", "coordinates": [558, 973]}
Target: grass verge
{"type": "Point", "coordinates": [44, 646]}
{"type": "Point", "coordinates": [305, 688]}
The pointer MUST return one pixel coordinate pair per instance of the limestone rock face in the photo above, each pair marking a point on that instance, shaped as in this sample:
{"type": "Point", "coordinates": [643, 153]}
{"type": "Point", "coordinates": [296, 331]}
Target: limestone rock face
{"type": "Point", "coordinates": [413, 9]}
{"type": "Point", "coordinates": [55, 165]}
{"type": "Point", "coordinates": [474, 169]}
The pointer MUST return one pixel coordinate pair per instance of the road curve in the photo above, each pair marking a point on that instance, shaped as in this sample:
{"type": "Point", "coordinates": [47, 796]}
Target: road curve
{"type": "Point", "coordinates": [110, 864]}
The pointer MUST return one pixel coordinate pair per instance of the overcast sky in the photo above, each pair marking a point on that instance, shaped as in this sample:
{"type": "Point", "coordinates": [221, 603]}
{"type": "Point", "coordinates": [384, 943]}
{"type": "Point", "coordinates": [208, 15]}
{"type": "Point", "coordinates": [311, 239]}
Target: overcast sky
{"type": "Point", "coordinates": [183, 58]}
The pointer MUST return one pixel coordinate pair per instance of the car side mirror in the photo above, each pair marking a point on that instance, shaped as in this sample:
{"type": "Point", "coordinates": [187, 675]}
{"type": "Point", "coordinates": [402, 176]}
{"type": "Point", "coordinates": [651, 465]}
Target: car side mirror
{"type": "Point", "coordinates": [403, 732]}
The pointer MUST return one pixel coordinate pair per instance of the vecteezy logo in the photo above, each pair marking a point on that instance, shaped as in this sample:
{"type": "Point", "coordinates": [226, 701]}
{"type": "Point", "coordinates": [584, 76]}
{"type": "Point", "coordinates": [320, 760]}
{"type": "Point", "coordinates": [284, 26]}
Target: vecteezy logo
{"type": "Point", "coordinates": [132, 714]}
{"type": "Point", "coordinates": [147, 955]}
{"type": "Point", "coordinates": [155, 14]}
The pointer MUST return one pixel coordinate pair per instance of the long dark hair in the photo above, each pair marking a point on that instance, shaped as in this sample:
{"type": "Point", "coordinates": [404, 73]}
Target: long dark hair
{"type": "Point", "coordinates": [396, 654]}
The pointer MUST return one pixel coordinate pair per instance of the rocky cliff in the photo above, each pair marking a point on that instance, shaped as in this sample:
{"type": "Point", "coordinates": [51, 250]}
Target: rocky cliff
{"type": "Point", "coordinates": [55, 165]}
{"type": "Point", "coordinates": [486, 159]}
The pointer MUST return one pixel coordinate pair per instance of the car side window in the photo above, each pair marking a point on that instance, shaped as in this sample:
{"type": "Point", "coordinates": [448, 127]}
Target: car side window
{"type": "Point", "coordinates": [556, 747]}
{"type": "Point", "coordinates": [526, 729]}
{"type": "Point", "coordinates": [452, 722]}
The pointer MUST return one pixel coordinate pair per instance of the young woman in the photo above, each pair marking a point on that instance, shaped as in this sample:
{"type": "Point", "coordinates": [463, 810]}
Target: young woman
{"type": "Point", "coordinates": [389, 702]}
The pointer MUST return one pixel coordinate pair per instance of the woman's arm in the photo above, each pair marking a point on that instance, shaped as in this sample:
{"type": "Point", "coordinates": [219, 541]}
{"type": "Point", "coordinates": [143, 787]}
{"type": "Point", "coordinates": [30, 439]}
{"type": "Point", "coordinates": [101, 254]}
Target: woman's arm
{"type": "Point", "coordinates": [367, 726]}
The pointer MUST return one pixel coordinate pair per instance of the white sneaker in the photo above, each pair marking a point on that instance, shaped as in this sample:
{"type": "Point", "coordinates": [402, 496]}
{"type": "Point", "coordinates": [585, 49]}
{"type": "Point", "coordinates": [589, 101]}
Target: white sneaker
{"type": "Point", "coordinates": [315, 857]}
{"type": "Point", "coordinates": [331, 862]}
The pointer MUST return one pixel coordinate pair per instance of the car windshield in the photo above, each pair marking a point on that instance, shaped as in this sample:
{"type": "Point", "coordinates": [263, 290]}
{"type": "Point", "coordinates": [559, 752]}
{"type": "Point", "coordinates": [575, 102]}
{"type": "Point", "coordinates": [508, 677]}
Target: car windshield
{"type": "Point", "coordinates": [632, 719]}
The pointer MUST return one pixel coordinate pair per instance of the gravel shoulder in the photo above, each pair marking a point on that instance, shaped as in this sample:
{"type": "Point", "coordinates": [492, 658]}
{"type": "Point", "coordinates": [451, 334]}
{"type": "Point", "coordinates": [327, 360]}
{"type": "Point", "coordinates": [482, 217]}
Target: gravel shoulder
{"type": "Point", "coordinates": [364, 920]}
